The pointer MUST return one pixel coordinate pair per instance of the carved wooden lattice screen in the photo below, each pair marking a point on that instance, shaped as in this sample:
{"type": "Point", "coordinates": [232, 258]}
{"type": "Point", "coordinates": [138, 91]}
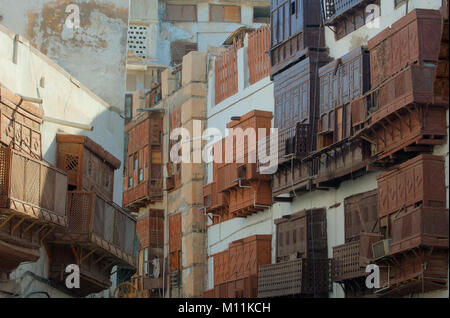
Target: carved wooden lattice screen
{"type": "Point", "coordinates": [226, 74]}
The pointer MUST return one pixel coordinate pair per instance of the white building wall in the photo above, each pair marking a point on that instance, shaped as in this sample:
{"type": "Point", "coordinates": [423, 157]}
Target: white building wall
{"type": "Point", "coordinates": [258, 96]}
{"type": "Point", "coordinates": [97, 46]}
{"type": "Point", "coordinates": [64, 98]}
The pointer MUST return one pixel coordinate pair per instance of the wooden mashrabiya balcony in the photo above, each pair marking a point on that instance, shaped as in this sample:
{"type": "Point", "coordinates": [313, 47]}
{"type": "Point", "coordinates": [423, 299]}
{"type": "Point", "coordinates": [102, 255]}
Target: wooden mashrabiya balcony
{"type": "Point", "coordinates": [32, 205]}
{"type": "Point", "coordinates": [99, 236]}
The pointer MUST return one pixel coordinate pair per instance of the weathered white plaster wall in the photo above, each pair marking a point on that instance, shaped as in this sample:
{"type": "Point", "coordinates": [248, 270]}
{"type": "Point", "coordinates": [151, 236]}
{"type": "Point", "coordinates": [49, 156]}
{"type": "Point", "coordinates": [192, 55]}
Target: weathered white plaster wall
{"type": "Point", "coordinates": [64, 98]}
{"type": "Point", "coordinates": [97, 47]}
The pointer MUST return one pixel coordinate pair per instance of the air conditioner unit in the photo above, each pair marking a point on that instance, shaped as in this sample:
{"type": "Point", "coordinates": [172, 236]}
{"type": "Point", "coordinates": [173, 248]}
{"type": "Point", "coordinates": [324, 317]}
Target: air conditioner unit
{"type": "Point", "coordinates": [380, 249]}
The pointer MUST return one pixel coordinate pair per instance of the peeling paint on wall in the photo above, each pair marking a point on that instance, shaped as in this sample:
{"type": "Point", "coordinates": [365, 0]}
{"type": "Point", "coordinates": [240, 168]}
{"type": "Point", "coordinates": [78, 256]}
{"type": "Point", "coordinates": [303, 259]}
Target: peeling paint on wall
{"type": "Point", "coordinates": [97, 47]}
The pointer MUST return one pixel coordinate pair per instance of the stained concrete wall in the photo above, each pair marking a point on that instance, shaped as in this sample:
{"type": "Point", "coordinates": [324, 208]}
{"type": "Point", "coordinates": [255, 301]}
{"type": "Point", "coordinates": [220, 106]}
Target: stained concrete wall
{"type": "Point", "coordinates": [33, 74]}
{"type": "Point", "coordinates": [162, 33]}
{"type": "Point", "coordinates": [97, 47]}
{"type": "Point", "coordinates": [220, 235]}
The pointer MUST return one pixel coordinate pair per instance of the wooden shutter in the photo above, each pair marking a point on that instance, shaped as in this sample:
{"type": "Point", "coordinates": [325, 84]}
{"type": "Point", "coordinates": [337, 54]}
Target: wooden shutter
{"type": "Point", "coordinates": [218, 13]}
{"type": "Point", "coordinates": [232, 14]}
{"type": "Point", "coordinates": [175, 12]}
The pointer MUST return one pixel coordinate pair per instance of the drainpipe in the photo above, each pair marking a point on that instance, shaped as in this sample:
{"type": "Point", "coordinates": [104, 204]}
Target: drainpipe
{"type": "Point", "coordinates": [166, 214]}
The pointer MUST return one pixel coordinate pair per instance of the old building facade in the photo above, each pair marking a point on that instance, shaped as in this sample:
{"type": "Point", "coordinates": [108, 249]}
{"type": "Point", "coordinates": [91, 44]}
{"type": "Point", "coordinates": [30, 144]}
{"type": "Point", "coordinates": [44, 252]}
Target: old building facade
{"type": "Point", "coordinates": [350, 85]}
{"type": "Point", "coordinates": [348, 98]}
{"type": "Point", "coordinates": [62, 147]}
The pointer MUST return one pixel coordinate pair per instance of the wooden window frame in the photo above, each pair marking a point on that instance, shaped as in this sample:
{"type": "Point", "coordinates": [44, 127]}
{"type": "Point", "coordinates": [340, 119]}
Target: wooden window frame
{"type": "Point", "coordinates": [221, 5]}
{"type": "Point", "coordinates": [130, 113]}
{"type": "Point", "coordinates": [182, 5]}
{"type": "Point", "coordinates": [146, 267]}
{"type": "Point", "coordinates": [253, 18]}
{"type": "Point", "coordinates": [398, 3]}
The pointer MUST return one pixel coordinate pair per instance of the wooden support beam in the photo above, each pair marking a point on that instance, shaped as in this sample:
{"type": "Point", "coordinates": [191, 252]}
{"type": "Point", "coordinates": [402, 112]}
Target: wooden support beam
{"type": "Point", "coordinates": [17, 225]}
{"type": "Point", "coordinates": [99, 259]}
{"type": "Point", "coordinates": [7, 220]}
{"type": "Point", "coordinates": [50, 230]}
{"type": "Point", "coordinates": [87, 255]}
{"type": "Point", "coordinates": [109, 264]}
{"type": "Point", "coordinates": [417, 149]}
{"type": "Point", "coordinates": [367, 139]}
{"type": "Point", "coordinates": [41, 228]}
{"type": "Point", "coordinates": [28, 228]}
{"type": "Point", "coordinates": [75, 253]}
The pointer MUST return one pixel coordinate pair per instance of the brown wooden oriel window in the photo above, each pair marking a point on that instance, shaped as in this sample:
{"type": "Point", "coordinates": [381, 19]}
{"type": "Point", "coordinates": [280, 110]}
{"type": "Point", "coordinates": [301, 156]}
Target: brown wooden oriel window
{"type": "Point", "coordinates": [181, 13]}
{"type": "Point", "coordinates": [219, 13]}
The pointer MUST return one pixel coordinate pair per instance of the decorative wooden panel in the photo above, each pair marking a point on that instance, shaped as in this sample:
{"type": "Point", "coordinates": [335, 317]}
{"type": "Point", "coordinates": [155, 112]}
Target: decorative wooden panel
{"type": "Point", "coordinates": [294, 26]}
{"type": "Point", "coordinates": [361, 214]}
{"type": "Point", "coordinates": [175, 233]}
{"type": "Point", "coordinates": [32, 188]}
{"type": "Point", "coordinates": [341, 81]}
{"type": "Point", "coordinates": [344, 79]}
{"type": "Point", "coordinates": [413, 38]}
{"type": "Point", "coordinates": [244, 201]}
{"type": "Point", "coordinates": [409, 275]}
{"type": "Point", "coordinates": [258, 45]}
{"type": "Point", "coordinates": [221, 268]}
{"type": "Point", "coordinates": [411, 85]}
{"type": "Point", "coordinates": [351, 258]}
{"type": "Point", "coordinates": [150, 229]}
{"type": "Point", "coordinates": [20, 124]}
{"type": "Point", "coordinates": [418, 181]}
{"type": "Point", "coordinates": [242, 259]}
{"type": "Point", "coordinates": [420, 227]}
{"type": "Point", "coordinates": [143, 182]}
{"type": "Point", "coordinates": [289, 178]}
{"type": "Point", "coordinates": [302, 234]}
{"type": "Point", "coordinates": [88, 165]}
{"type": "Point", "coordinates": [420, 125]}
{"type": "Point", "coordinates": [441, 82]}
{"type": "Point", "coordinates": [295, 277]}
{"type": "Point", "coordinates": [297, 92]}
{"type": "Point", "coordinates": [226, 74]}
{"type": "Point", "coordinates": [337, 162]}
{"type": "Point", "coordinates": [98, 223]}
